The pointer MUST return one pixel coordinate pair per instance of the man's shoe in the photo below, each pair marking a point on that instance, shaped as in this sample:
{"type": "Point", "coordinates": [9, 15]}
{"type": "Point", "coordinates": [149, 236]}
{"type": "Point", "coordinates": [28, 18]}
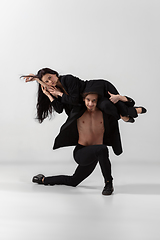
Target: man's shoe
{"type": "Point", "coordinates": [38, 178]}
{"type": "Point", "coordinates": [108, 188]}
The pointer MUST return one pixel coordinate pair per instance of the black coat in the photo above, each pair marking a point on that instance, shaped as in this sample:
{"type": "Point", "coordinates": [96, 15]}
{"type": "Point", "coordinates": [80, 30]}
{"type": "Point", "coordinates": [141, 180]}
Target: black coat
{"type": "Point", "coordinates": [75, 87]}
{"type": "Point", "coordinates": [68, 135]}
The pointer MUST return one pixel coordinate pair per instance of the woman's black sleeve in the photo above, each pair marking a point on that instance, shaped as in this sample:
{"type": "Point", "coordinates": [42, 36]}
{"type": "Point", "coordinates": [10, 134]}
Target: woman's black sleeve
{"type": "Point", "coordinates": [57, 105]}
{"type": "Point", "coordinates": [72, 86]}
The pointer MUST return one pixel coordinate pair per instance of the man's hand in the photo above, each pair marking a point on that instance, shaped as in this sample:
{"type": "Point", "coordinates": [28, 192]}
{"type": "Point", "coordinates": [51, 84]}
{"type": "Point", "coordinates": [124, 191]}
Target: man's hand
{"type": "Point", "coordinates": [114, 98]}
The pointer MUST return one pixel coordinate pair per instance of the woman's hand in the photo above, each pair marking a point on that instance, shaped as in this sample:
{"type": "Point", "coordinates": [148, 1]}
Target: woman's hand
{"type": "Point", "coordinates": [114, 98]}
{"type": "Point", "coordinates": [47, 93]}
{"type": "Point", "coordinates": [30, 77]}
{"type": "Point", "coordinates": [55, 91]}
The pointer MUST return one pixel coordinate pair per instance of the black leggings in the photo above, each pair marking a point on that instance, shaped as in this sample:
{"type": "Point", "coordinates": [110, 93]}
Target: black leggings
{"type": "Point", "coordinates": [87, 158]}
{"type": "Point", "coordinates": [120, 108]}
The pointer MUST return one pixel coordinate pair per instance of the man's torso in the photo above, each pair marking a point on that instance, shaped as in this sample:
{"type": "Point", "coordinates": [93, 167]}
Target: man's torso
{"type": "Point", "coordinates": [91, 128]}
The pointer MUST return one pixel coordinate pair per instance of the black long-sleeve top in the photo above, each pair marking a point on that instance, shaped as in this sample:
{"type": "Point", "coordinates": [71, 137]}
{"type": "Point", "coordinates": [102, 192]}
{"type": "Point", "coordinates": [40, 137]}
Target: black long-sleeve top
{"type": "Point", "coordinates": [75, 87]}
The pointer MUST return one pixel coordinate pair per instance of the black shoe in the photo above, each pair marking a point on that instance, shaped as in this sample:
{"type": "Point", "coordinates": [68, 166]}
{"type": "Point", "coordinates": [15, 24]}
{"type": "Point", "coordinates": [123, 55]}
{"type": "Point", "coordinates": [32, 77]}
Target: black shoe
{"type": "Point", "coordinates": [108, 188]}
{"type": "Point", "coordinates": [38, 178]}
{"type": "Point", "coordinates": [131, 120]}
{"type": "Point", "coordinates": [144, 110]}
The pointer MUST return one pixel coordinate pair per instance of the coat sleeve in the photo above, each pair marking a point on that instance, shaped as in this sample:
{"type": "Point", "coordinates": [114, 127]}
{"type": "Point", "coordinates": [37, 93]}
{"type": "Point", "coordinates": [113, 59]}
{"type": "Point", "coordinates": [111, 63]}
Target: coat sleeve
{"type": "Point", "coordinates": [57, 105]}
{"type": "Point", "coordinates": [72, 86]}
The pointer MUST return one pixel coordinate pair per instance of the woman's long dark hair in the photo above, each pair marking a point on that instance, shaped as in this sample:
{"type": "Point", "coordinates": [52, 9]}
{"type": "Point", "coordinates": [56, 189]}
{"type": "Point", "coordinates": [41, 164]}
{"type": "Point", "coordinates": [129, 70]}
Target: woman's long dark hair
{"type": "Point", "coordinates": [44, 107]}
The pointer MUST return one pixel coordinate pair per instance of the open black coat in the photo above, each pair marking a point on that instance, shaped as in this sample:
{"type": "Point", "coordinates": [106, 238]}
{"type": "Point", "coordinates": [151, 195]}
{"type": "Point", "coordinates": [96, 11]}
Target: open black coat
{"type": "Point", "coordinates": [68, 135]}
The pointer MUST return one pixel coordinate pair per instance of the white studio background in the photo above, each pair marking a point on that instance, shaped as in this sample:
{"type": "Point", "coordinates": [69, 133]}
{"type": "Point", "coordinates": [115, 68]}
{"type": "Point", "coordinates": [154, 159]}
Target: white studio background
{"type": "Point", "coordinates": [116, 40]}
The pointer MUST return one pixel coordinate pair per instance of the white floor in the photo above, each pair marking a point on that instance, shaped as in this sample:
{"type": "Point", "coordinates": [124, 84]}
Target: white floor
{"type": "Point", "coordinates": [29, 211]}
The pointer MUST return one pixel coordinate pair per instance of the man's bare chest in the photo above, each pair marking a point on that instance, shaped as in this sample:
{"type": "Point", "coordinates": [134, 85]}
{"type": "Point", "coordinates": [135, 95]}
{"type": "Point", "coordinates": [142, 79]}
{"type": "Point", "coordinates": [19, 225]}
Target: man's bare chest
{"type": "Point", "coordinates": [91, 122]}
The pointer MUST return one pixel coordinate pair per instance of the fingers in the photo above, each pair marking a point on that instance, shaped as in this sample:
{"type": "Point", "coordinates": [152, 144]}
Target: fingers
{"type": "Point", "coordinates": [51, 89]}
{"type": "Point", "coordinates": [29, 77]}
{"type": "Point", "coordinates": [44, 90]}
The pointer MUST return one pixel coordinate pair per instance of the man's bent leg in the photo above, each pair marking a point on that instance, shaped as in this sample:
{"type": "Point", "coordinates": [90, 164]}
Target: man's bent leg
{"type": "Point", "coordinates": [81, 173]}
{"type": "Point", "coordinates": [106, 170]}
{"type": "Point", "coordinates": [104, 162]}
{"type": "Point", "coordinates": [85, 155]}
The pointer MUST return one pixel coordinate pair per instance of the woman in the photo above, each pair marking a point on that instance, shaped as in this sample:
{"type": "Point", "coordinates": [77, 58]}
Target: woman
{"type": "Point", "coordinates": [63, 92]}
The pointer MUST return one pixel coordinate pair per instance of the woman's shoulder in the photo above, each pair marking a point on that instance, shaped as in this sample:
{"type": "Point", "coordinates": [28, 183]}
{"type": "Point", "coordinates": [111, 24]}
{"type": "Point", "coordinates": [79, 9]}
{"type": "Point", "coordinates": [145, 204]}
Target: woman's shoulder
{"type": "Point", "coordinates": [69, 78]}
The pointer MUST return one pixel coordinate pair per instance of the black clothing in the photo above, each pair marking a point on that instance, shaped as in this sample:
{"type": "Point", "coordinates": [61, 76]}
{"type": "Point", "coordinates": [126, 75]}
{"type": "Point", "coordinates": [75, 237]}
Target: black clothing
{"type": "Point", "coordinates": [59, 106]}
{"type": "Point", "coordinates": [117, 109]}
{"type": "Point", "coordinates": [87, 158]}
{"type": "Point", "coordinates": [75, 88]}
{"type": "Point", "coordinates": [102, 87]}
{"type": "Point", "coordinates": [68, 135]}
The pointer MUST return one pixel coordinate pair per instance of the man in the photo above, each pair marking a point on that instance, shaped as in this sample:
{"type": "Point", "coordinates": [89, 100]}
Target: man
{"type": "Point", "coordinates": [90, 130]}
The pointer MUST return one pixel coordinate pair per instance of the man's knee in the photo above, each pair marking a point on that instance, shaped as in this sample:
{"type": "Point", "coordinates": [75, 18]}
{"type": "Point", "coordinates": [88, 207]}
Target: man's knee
{"type": "Point", "coordinates": [74, 182]}
{"type": "Point", "coordinates": [103, 150]}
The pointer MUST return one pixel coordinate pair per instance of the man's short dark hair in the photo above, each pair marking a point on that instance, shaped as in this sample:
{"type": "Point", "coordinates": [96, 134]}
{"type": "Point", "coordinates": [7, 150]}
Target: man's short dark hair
{"type": "Point", "coordinates": [84, 95]}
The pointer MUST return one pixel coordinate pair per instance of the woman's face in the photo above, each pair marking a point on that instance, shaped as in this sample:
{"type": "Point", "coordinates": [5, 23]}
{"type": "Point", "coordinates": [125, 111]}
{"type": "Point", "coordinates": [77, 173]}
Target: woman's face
{"type": "Point", "coordinates": [50, 79]}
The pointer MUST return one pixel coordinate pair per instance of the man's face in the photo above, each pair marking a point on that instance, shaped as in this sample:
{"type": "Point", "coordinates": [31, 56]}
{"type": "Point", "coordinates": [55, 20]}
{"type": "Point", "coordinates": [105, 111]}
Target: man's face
{"type": "Point", "coordinates": [91, 101]}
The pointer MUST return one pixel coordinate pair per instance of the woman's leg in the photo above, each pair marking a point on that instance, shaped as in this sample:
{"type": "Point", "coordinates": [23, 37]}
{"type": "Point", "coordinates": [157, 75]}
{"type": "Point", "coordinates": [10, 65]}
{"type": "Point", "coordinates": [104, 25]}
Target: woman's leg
{"type": "Point", "coordinates": [105, 105]}
{"type": "Point", "coordinates": [125, 110]}
{"type": "Point", "coordinates": [118, 110]}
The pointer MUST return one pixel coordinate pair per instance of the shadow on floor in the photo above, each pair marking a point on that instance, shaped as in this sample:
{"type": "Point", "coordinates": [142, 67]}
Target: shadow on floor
{"type": "Point", "coordinates": [140, 189]}
{"type": "Point", "coordinates": [143, 189]}
{"type": "Point", "coordinates": [36, 188]}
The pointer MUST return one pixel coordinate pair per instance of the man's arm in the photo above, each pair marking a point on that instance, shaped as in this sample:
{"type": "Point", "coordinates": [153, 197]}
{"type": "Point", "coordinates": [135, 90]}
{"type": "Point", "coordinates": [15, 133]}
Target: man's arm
{"type": "Point", "coordinates": [115, 98]}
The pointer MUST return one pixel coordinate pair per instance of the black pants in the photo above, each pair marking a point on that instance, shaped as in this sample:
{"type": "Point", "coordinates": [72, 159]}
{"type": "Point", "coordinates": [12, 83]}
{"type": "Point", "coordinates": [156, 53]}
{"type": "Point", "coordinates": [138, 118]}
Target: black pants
{"type": "Point", "coordinates": [120, 108]}
{"type": "Point", "coordinates": [87, 158]}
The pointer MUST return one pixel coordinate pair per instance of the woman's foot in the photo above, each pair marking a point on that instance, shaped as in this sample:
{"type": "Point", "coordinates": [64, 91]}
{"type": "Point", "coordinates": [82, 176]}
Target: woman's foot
{"type": "Point", "coordinates": [141, 110]}
{"type": "Point", "coordinates": [127, 119]}
{"type": "Point", "coordinates": [38, 179]}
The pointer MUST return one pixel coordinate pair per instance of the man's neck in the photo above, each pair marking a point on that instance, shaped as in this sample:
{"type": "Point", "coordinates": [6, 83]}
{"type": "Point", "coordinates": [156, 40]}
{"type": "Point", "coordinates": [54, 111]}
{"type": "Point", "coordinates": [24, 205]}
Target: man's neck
{"type": "Point", "coordinates": [92, 111]}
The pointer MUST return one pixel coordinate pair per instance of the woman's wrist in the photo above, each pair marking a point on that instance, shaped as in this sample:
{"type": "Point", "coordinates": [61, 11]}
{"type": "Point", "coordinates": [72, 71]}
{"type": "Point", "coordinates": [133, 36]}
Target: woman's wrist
{"type": "Point", "coordinates": [51, 98]}
{"type": "Point", "coordinates": [60, 94]}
